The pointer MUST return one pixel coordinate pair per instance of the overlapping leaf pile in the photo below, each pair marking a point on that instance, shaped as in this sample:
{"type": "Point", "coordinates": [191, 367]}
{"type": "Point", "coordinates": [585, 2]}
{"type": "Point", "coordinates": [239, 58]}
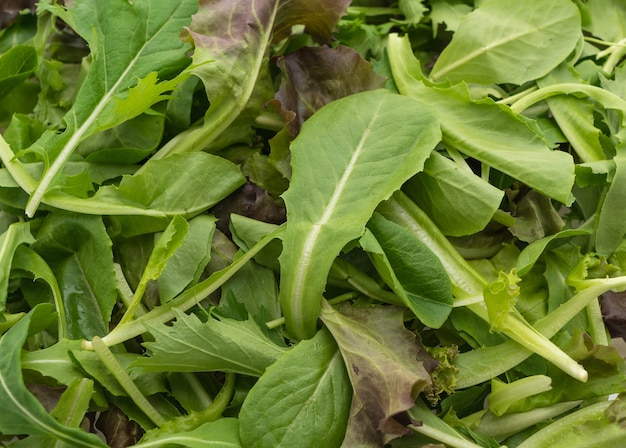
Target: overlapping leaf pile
{"type": "Point", "coordinates": [282, 223]}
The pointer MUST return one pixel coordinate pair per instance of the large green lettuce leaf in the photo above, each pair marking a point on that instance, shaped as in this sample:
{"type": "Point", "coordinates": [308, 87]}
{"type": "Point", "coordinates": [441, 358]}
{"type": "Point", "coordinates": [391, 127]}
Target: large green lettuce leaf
{"type": "Point", "coordinates": [363, 148]}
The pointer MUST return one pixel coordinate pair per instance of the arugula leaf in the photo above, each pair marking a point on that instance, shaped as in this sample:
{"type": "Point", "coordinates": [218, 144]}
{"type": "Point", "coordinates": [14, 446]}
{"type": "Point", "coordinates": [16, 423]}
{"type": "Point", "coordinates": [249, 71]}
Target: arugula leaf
{"type": "Point", "coordinates": [139, 37]}
{"type": "Point", "coordinates": [371, 138]}
{"type": "Point", "coordinates": [22, 413]}
{"type": "Point", "coordinates": [216, 345]}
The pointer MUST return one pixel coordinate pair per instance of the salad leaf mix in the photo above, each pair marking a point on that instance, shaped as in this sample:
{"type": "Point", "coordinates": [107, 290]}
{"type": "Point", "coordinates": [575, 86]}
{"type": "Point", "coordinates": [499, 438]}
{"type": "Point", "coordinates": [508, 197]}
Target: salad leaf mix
{"type": "Point", "coordinates": [277, 223]}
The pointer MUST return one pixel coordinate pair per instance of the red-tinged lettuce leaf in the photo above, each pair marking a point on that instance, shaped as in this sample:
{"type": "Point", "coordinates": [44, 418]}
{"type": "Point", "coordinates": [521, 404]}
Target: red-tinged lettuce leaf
{"type": "Point", "coordinates": [320, 17]}
{"type": "Point", "coordinates": [315, 76]}
{"type": "Point", "coordinates": [381, 357]}
{"type": "Point", "coordinates": [231, 41]}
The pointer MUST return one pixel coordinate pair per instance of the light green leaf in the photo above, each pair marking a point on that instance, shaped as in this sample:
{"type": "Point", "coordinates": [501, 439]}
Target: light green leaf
{"type": "Point", "coordinates": [500, 298]}
{"type": "Point", "coordinates": [367, 145]}
{"type": "Point", "coordinates": [531, 253]}
{"type": "Point", "coordinates": [222, 433]}
{"type": "Point", "coordinates": [21, 411]}
{"type": "Point", "coordinates": [182, 184]}
{"type": "Point", "coordinates": [301, 400]}
{"type": "Point", "coordinates": [606, 19]}
{"type": "Point", "coordinates": [477, 129]}
{"type": "Point", "coordinates": [164, 247]}
{"type": "Point", "coordinates": [141, 38]}
{"type": "Point", "coordinates": [574, 116]}
{"type": "Point", "coordinates": [600, 424]}
{"type": "Point", "coordinates": [457, 200]}
{"type": "Point", "coordinates": [54, 362]}
{"type": "Point", "coordinates": [189, 260]}
{"type": "Point", "coordinates": [449, 12]}
{"type": "Point", "coordinates": [74, 403]}
{"type": "Point", "coordinates": [18, 233]}
{"type": "Point", "coordinates": [225, 345]}
{"type": "Point", "coordinates": [504, 42]}
{"type": "Point", "coordinates": [412, 271]}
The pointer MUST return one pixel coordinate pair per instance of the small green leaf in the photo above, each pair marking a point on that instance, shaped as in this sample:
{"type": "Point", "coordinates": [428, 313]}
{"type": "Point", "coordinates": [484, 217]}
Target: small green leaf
{"type": "Point", "coordinates": [500, 298]}
{"type": "Point", "coordinates": [301, 400]}
{"type": "Point", "coordinates": [412, 271]}
{"type": "Point", "coordinates": [189, 260]}
{"type": "Point", "coordinates": [611, 219]}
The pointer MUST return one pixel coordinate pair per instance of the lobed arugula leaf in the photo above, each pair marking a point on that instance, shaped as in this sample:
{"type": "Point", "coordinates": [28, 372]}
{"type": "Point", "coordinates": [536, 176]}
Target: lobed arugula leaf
{"type": "Point", "coordinates": [217, 345]}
